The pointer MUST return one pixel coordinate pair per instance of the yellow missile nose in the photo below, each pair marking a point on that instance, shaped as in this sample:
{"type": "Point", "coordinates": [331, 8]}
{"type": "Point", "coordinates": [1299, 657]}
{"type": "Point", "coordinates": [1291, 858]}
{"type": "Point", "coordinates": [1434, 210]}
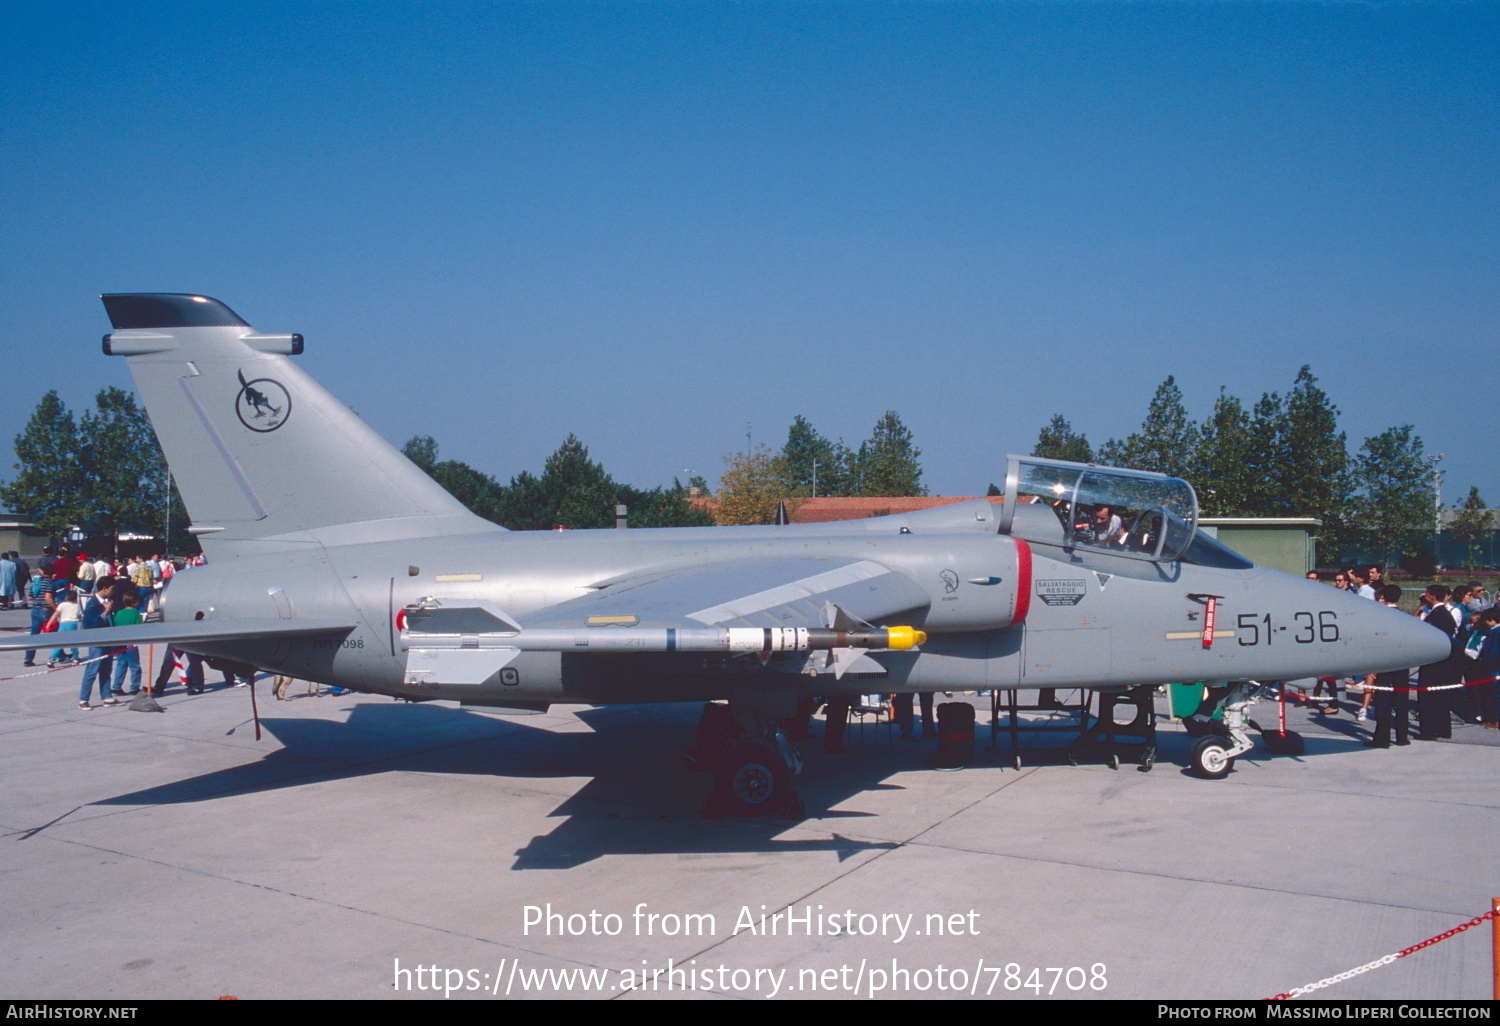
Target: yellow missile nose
{"type": "Point", "coordinates": [903, 638]}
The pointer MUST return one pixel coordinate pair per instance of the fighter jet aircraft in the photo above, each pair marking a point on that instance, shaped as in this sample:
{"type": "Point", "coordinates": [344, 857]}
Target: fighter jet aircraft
{"type": "Point", "coordinates": [332, 558]}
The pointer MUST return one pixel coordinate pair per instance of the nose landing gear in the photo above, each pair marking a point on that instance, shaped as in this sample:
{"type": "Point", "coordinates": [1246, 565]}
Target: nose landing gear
{"type": "Point", "coordinates": [1213, 757]}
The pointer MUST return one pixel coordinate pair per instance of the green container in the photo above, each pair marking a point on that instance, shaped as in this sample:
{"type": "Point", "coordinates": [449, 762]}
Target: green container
{"type": "Point", "coordinates": [1186, 698]}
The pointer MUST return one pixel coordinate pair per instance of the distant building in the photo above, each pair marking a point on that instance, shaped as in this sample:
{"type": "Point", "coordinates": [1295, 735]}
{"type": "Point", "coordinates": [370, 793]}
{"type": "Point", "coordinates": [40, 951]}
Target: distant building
{"type": "Point", "coordinates": [19, 533]}
{"type": "Point", "coordinates": [1449, 515]}
{"type": "Point", "coordinates": [1282, 543]}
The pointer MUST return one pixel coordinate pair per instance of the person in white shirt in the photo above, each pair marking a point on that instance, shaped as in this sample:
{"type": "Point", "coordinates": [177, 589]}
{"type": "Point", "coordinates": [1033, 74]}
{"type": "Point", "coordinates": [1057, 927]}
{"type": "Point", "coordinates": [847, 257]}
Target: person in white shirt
{"type": "Point", "coordinates": [67, 616]}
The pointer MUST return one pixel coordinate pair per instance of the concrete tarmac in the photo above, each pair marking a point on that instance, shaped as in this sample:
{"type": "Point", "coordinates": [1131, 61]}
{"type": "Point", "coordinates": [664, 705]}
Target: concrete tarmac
{"type": "Point", "coordinates": [367, 848]}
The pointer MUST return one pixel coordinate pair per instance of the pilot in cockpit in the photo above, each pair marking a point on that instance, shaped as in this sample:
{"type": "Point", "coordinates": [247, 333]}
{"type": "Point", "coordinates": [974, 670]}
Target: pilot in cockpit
{"type": "Point", "coordinates": [1102, 528]}
{"type": "Point", "coordinates": [1107, 527]}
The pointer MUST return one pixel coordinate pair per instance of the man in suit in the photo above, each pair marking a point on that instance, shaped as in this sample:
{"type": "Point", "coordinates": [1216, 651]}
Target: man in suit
{"type": "Point", "coordinates": [1392, 702]}
{"type": "Point", "coordinates": [1434, 721]}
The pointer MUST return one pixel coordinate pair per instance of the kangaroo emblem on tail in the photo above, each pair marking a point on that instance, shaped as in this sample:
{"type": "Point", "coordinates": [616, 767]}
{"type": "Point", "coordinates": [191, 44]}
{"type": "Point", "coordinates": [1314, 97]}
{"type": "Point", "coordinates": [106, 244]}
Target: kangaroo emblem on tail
{"type": "Point", "coordinates": [264, 414]}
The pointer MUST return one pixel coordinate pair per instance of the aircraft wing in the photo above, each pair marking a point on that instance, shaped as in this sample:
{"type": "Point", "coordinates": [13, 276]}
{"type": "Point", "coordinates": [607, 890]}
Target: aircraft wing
{"type": "Point", "coordinates": [175, 630]}
{"type": "Point", "coordinates": [747, 593]}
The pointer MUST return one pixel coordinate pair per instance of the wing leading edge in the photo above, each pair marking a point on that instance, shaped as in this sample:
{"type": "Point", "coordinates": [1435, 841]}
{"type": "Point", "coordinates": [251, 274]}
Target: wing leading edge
{"type": "Point", "coordinates": [174, 631]}
{"type": "Point", "coordinates": [822, 609]}
{"type": "Point", "coordinates": [752, 593]}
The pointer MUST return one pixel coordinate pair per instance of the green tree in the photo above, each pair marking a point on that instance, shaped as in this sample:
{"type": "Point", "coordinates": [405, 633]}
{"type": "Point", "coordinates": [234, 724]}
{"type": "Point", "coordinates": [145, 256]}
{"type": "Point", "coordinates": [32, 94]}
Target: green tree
{"type": "Point", "coordinates": [421, 450]}
{"type": "Point", "coordinates": [809, 458]}
{"type": "Point", "coordinates": [479, 492]}
{"type": "Point", "coordinates": [573, 491]}
{"type": "Point", "coordinates": [49, 487]}
{"type": "Point", "coordinates": [805, 450]}
{"type": "Point", "coordinates": [749, 489]}
{"type": "Point", "coordinates": [843, 473]}
{"type": "Point", "coordinates": [122, 467]}
{"type": "Point", "coordinates": [1472, 521]}
{"type": "Point", "coordinates": [888, 460]}
{"type": "Point", "coordinates": [1224, 478]}
{"type": "Point", "coordinates": [169, 512]}
{"type": "Point", "coordinates": [1266, 458]}
{"type": "Point", "coordinates": [1314, 472]}
{"type": "Point", "coordinates": [1167, 440]}
{"type": "Point", "coordinates": [662, 507]}
{"type": "Point", "coordinates": [1058, 441]}
{"type": "Point", "coordinates": [1395, 498]}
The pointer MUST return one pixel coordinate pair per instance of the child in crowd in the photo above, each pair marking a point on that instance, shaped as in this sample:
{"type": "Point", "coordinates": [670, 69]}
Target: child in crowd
{"type": "Point", "coordinates": [65, 617]}
{"type": "Point", "coordinates": [128, 615]}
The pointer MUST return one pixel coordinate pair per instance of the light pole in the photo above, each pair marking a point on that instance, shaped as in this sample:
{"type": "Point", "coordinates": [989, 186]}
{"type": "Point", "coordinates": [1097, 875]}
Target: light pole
{"type": "Point", "coordinates": [1437, 504]}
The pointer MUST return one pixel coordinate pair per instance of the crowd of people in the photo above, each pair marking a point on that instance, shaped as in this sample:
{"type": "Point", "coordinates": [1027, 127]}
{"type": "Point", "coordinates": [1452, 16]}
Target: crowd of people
{"type": "Point", "coordinates": [1470, 617]}
{"type": "Point", "coordinates": [68, 592]}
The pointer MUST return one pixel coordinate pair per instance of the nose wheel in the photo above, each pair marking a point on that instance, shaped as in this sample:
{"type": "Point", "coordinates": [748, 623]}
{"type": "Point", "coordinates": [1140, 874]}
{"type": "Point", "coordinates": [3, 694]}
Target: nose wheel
{"type": "Point", "coordinates": [1211, 759]}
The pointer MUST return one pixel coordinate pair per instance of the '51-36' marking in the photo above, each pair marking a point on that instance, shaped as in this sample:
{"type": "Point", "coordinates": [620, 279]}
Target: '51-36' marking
{"type": "Point", "coordinates": [1308, 627]}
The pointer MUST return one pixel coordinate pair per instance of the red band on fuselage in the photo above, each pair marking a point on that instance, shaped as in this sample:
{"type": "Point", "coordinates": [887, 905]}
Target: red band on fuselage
{"type": "Point", "coordinates": [1023, 581]}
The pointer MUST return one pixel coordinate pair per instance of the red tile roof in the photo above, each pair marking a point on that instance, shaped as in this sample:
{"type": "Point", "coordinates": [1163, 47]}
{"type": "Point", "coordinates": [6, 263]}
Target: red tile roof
{"type": "Point", "coordinates": [826, 509]}
{"type": "Point", "coordinates": [823, 510]}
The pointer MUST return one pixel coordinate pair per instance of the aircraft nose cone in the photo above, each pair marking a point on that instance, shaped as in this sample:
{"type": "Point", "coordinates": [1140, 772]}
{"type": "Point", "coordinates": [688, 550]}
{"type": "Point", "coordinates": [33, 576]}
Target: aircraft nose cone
{"type": "Point", "coordinates": [1405, 641]}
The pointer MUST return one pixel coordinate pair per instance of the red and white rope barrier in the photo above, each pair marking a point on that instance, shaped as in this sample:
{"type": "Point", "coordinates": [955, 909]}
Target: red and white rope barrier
{"type": "Point", "coordinates": [59, 669]}
{"type": "Point", "coordinates": [1300, 699]}
{"type": "Point", "coordinates": [1386, 960]}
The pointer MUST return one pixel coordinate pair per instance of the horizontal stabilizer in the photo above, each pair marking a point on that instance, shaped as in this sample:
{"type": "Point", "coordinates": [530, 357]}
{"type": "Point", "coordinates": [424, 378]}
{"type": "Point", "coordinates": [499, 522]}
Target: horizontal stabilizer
{"type": "Point", "coordinates": [173, 631]}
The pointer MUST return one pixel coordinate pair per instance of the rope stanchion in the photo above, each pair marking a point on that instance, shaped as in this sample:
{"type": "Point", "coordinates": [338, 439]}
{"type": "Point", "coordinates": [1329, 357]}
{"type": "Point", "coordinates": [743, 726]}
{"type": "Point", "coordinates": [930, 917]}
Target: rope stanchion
{"type": "Point", "coordinates": [1388, 959]}
{"type": "Point", "coordinates": [1495, 943]}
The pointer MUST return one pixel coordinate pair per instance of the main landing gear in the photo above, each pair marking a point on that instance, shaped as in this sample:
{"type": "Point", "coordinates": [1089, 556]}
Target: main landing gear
{"type": "Point", "coordinates": [752, 763]}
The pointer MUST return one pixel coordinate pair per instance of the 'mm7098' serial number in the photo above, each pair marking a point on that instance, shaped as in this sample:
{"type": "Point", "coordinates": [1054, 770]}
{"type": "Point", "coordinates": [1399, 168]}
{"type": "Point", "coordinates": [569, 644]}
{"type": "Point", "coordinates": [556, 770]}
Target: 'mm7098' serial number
{"type": "Point", "coordinates": [324, 643]}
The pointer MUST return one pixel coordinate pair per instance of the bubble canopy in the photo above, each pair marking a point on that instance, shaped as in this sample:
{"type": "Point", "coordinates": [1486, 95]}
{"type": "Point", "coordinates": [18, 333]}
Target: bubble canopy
{"type": "Point", "coordinates": [1125, 512]}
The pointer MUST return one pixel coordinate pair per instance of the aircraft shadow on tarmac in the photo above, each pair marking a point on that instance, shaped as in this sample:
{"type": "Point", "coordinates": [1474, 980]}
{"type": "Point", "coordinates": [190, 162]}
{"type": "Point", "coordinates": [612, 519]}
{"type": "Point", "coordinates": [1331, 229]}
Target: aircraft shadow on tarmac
{"type": "Point", "coordinates": [640, 800]}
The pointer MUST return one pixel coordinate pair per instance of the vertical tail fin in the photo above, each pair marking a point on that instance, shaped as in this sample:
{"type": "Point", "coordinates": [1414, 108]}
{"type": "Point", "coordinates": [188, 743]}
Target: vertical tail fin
{"type": "Point", "coordinates": [257, 448]}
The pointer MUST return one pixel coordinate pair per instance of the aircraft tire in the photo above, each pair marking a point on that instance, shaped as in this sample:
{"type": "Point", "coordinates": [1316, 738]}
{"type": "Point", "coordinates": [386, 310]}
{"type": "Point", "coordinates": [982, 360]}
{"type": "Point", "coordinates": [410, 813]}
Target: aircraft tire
{"type": "Point", "coordinates": [1209, 759]}
{"type": "Point", "coordinates": [754, 780]}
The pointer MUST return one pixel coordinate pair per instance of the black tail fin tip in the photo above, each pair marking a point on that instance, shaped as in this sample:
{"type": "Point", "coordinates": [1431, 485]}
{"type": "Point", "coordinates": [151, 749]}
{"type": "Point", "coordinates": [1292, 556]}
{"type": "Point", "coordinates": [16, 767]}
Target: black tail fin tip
{"type": "Point", "coordinates": [168, 310]}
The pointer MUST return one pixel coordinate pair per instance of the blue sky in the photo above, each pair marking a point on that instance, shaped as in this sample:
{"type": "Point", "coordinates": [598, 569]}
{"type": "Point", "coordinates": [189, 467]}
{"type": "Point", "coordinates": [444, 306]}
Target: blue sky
{"type": "Point", "coordinates": [650, 224]}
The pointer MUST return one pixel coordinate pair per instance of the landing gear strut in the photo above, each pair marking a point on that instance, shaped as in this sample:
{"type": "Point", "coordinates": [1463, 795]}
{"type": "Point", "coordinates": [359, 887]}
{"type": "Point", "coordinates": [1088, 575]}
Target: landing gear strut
{"type": "Point", "coordinates": [752, 762]}
{"type": "Point", "coordinates": [1213, 757]}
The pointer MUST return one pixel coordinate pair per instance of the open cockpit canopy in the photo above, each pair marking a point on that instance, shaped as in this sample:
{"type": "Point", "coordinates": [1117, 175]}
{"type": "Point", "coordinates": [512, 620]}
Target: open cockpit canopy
{"type": "Point", "coordinates": [1077, 505]}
